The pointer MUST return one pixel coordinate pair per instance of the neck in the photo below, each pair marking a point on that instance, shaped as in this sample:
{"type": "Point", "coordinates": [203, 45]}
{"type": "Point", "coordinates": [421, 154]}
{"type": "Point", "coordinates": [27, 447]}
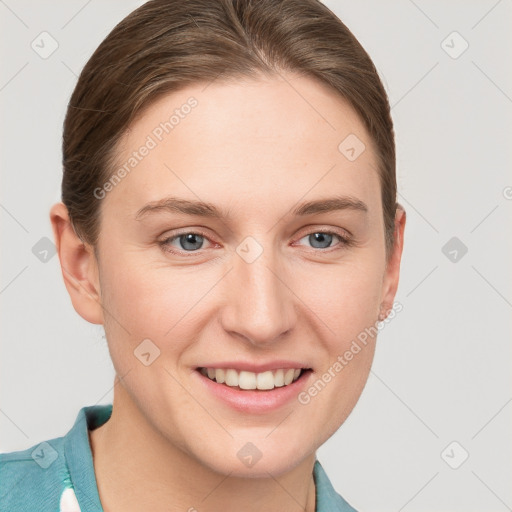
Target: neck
{"type": "Point", "coordinates": [137, 468]}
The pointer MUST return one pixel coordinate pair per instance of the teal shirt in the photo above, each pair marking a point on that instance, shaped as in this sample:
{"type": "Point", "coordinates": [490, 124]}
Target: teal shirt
{"type": "Point", "coordinates": [58, 475]}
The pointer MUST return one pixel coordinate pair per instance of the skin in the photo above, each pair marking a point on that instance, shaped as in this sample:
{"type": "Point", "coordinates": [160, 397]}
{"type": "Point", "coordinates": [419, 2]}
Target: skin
{"type": "Point", "coordinates": [255, 148]}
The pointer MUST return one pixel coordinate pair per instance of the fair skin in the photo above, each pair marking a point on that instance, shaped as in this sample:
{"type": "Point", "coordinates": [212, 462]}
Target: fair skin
{"type": "Point", "coordinates": [258, 150]}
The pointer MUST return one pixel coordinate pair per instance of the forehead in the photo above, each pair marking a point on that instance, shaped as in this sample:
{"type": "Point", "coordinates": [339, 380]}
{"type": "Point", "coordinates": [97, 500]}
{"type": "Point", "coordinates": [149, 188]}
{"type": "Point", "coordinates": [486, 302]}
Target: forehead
{"type": "Point", "coordinates": [247, 141]}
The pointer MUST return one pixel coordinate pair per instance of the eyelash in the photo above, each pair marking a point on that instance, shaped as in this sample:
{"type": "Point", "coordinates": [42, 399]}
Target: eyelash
{"type": "Point", "coordinates": [345, 241]}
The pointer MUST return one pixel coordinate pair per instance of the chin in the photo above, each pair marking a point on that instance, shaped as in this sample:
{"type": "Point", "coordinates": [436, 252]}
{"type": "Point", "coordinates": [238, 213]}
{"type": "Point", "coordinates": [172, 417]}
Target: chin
{"type": "Point", "coordinates": [256, 459]}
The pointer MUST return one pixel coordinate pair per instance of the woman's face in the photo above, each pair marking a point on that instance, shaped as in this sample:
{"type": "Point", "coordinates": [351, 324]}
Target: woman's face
{"type": "Point", "coordinates": [266, 283]}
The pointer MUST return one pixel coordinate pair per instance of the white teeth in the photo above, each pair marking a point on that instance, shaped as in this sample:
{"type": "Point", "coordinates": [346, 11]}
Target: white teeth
{"type": "Point", "coordinates": [279, 378]}
{"type": "Point", "coordinates": [220, 376]}
{"type": "Point", "coordinates": [265, 380]}
{"type": "Point", "coordinates": [250, 380]}
{"type": "Point", "coordinates": [231, 378]}
{"type": "Point", "coordinates": [247, 380]}
{"type": "Point", "coordinates": [288, 376]}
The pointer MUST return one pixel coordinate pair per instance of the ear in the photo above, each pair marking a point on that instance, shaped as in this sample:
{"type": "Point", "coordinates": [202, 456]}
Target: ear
{"type": "Point", "coordinates": [79, 266]}
{"type": "Point", "coordinates": [392, 274]}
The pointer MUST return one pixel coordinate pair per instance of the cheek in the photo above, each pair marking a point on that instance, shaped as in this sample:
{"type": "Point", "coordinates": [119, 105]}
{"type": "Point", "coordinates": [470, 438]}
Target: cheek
{"type": "Point", "coordinates": [149, 296]}
{"type": "Point", "coordinates": [144, 299]}
{"type": "Point", "coordinates": [345, 297]}
{"type": "Point", "coordinates": [348, 309]}
{"type": "Point", "coordinates": [159, 303]}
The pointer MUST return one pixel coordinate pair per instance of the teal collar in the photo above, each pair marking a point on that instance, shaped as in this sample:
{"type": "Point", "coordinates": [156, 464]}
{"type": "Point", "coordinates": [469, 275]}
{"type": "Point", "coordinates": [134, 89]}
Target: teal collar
{"type": "Point", "coordinates": [81, 468]}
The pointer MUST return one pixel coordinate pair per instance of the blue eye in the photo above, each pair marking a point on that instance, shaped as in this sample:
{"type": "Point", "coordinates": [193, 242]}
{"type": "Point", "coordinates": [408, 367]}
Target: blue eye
{"type": "Point", "coordinates": [189, 242]}
{"type": "Point", "coordinates": [324, 239]}
{"type": "Point", "coordinates": [192, 242]}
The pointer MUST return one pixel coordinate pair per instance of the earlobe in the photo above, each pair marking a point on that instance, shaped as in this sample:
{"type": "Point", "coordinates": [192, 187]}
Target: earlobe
{"type": "Point", "coordinates": [79, 266]}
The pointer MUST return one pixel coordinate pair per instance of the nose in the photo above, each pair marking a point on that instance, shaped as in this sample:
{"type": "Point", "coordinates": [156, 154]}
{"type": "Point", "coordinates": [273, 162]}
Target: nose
{"type": "Point", "coordinates": [260, 303]}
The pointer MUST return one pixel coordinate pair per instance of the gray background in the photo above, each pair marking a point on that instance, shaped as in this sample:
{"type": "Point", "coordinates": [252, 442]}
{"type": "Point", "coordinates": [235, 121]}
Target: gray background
{"type": "Point", "coordinates": [442, 366]}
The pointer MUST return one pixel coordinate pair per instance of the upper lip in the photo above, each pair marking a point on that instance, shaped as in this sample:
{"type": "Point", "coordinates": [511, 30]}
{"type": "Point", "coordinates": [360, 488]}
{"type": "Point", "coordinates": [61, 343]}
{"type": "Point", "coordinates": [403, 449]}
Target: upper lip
{"type": "Point", "coordinates": [256, 368]}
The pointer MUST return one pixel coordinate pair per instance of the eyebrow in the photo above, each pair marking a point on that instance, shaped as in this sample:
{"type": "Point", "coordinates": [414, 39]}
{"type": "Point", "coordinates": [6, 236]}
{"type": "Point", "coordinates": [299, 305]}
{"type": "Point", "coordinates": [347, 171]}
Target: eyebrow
{"type": "Point", "coordinates": [203, 209]}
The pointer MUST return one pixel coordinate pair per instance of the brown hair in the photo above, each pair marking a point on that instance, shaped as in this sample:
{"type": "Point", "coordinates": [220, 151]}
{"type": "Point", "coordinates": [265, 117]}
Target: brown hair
{"type": "Point", "coordinates": [164, 45]}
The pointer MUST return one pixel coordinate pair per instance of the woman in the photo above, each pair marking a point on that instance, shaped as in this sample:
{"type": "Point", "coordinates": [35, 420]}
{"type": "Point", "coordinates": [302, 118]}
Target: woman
{"type": "Point", "coordinates": [229, 216]}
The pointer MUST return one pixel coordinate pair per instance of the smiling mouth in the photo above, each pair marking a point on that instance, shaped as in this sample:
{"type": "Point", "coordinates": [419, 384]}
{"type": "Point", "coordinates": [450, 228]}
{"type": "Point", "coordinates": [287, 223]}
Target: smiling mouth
{"type": "Point", "coordinates": [245, 380]}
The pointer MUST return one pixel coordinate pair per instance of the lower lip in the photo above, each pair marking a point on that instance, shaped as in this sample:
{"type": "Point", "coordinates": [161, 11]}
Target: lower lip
{"type": "Point", "coordinates": [255, 401]}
